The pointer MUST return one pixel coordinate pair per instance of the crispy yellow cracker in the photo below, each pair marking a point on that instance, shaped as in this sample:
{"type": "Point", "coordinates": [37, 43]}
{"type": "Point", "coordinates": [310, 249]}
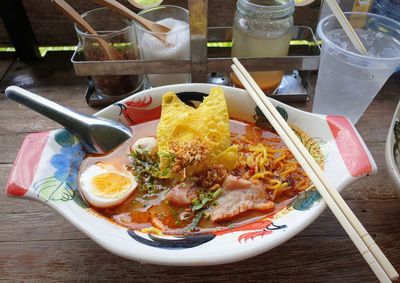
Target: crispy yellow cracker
{"type": "Point", "coordinates": [173, 111]}
{"type": "Point", "coordinates": [213, 119]}
{"type": "Point", "coordinates": [209, 123]}
{"type": "Point", "coordinates": [228, 157]}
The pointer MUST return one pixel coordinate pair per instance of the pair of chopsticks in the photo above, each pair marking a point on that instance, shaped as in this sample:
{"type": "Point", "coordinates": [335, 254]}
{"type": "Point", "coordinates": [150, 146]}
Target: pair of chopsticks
{"type": "Point", "coordinates": [378, 262]}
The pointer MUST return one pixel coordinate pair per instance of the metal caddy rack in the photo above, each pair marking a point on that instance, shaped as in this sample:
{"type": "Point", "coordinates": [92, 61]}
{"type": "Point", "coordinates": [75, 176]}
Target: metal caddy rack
{"type": "Point", "coordinates": [212, 64]}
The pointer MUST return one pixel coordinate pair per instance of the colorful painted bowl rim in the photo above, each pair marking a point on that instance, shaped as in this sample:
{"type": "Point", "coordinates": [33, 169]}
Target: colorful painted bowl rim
{"type": "Point", "coordinates": [187, 258]}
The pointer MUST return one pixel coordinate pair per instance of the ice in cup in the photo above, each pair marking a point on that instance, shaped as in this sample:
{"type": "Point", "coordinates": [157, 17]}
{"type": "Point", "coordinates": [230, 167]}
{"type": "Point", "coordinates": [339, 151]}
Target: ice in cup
{"type": "Point", "coordinates": [347, 81]}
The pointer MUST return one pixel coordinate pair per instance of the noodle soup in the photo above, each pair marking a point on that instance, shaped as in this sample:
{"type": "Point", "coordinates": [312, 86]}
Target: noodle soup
{"type": "Point", "coordinates": [196, 190]}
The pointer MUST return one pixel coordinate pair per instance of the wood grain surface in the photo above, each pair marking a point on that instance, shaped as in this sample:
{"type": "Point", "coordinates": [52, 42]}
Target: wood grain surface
{"type": "Point", "coordinates": [37, 244]}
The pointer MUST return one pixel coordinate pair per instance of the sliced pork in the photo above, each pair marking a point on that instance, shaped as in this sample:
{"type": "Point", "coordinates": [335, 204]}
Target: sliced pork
{"type": "Point", "coordinates": [238, 196]}
{"type": "Point", "coordinates": [182, 194]}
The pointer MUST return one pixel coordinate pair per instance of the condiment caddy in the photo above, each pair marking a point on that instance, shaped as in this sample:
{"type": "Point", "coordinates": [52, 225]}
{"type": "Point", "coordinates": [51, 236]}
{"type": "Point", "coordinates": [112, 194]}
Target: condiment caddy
{"type": "Point", "coordinates": [210, 64]}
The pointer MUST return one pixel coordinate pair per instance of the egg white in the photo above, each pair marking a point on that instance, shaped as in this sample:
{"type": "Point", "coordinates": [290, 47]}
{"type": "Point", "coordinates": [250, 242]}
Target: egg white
{"type": "Point", "coordinates": [91, 194]}
{"type": "Point", "coordinates": [147, 144]}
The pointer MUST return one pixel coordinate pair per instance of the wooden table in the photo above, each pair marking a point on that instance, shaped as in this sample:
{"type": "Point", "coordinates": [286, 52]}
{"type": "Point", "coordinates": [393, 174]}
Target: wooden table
{"type": "Point", "coordinates": [38, 244]}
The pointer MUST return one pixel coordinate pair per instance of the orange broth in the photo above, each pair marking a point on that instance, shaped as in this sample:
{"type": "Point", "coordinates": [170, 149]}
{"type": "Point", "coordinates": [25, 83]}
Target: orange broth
{"type": "Point", "coordinates": [138, 211]}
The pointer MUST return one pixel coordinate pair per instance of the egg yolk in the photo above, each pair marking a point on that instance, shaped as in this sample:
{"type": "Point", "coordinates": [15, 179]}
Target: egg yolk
{"type": "Point", "coordinates": [111, 184]}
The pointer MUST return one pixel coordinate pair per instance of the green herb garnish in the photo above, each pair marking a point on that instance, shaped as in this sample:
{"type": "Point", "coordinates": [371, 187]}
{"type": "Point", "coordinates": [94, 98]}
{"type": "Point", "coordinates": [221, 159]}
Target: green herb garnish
{"type": "Point", "coordinates": [146, 169]}
{"type": "Point", "coordinates": [205, 199]}
{"type": "Point", "coordinates": [145, 163]}
{"type": "Point", "coordinates": [202, 204]}
{"type": "Point", "coordinates": [174, 214]}
{"type": "Point", "coordinates": [195, 222]}
{"type": "Point", "coordinates": [168, 159]}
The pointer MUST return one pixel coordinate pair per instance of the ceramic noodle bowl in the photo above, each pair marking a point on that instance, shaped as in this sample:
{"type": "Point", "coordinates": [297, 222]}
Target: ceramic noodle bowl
{"type": "Point", "coordinates": [53, 160]}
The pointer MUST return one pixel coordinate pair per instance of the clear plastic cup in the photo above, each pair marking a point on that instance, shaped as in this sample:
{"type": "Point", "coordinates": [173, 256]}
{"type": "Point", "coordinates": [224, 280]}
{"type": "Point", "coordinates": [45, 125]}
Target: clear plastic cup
{"type": "Point", "coordinates": [347, 81]}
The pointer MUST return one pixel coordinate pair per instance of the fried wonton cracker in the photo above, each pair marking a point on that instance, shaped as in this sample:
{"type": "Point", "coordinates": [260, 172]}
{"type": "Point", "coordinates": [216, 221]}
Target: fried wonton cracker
{"type": "Point", "coordinates": [181, 126]}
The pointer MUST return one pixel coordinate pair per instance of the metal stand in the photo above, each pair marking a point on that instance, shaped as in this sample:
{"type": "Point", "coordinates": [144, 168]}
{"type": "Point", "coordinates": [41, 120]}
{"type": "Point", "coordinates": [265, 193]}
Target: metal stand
{"type": "Point", "coordinates": [303, 58]}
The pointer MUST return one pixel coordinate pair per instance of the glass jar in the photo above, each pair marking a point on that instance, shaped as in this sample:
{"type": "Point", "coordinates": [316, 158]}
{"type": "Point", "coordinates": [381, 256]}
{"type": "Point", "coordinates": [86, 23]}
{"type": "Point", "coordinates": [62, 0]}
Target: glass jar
{"type": "Point", "coordinates": [262, 28]}
{"type": "Point", "coordinates": [119, 33]}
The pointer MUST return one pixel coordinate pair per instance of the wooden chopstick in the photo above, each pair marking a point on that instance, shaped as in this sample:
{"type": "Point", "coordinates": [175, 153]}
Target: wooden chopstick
{"type": "Point", "coordinates": [361, 231]}
{"type": "Point", "coordinates": [348, 29]}
{"type": "Point", "coordinates": [363, 241]}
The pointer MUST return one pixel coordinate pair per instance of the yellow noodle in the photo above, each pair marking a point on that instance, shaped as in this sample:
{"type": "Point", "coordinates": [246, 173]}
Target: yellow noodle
{"type": "Point", "coordinates": [288, 170]}
{"type": "Point", "coordinates": [268, 161]}
{"type": "Point", "coordinates": [275, 184]}
{"type": "Point", "coordinates": [262, 175]}
{"type": "Point", "coordinates": [291, 162]}
{"type": "Point", "coordinates": [276, 160]}
{"type": "Point", "coordinates": [275, 193]}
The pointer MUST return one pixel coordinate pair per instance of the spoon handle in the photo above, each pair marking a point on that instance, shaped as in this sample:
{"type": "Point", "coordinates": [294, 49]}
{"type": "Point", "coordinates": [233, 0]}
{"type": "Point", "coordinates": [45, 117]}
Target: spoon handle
{"type": "Point", "coordinates": [157, 30]}
{"type": "Point", "coordinates": [50, 109]}
{"type": "Point", "coordinates": [124, 11]}
{"type": "Point", "coordinates": [71, 13]}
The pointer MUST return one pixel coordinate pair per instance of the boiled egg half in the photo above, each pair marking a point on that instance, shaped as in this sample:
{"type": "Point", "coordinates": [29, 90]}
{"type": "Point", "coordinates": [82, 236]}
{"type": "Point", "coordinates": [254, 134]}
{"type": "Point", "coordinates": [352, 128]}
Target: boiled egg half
{"type": "Point", "coordinates": [103, 185]}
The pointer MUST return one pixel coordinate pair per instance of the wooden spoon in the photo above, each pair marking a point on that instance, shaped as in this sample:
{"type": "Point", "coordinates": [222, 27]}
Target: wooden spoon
{"type": "Point", "coordinates": [110, 52]}
{"type": "Point", "coordinates": [159, 30]}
